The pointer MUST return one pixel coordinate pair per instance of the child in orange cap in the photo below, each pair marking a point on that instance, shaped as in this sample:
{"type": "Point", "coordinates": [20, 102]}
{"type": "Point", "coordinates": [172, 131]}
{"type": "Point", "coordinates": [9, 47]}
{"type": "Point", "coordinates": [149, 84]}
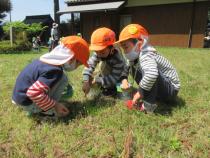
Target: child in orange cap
{"type": "Point", "coordinates": [112, 63]}
{"type": "Point", "coordinates": [155, 75]}
{"type": "Point", "coordinates": [39, 86]}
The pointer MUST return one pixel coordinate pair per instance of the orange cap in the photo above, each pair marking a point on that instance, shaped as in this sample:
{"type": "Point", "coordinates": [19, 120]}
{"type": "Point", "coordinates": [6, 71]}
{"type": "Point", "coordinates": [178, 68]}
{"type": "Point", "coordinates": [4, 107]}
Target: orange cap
{"type": "Point", "coordinates": [132, 31]}
{"type": "Point", "coordinates": [101, 38]}
{"type": "Point", "coordinates": [78, 46]}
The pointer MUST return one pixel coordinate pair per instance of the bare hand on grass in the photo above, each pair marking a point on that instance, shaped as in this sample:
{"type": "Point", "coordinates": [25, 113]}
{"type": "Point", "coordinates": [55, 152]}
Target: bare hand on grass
{"type": "Point", "coordinates": [61, 110]}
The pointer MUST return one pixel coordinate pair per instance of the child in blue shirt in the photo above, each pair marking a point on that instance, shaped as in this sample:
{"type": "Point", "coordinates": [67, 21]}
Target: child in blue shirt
{"type": "Point", "coordinates": [39, 86]}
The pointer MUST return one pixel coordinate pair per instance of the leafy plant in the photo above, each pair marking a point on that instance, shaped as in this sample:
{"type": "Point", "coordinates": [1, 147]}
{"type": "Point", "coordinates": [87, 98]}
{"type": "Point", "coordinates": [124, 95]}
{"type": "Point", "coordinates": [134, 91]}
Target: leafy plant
{"type": "Point", "coordinates": [20, 27]}
{"type": "Point", "coordinates": [19, 46]}
{"type": "Point", "coordinates": [175, 144]}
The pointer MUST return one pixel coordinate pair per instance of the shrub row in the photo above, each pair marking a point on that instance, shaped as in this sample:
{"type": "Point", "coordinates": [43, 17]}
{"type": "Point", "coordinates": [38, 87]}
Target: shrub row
{"type": "Point", "coordinates": [17, 47]}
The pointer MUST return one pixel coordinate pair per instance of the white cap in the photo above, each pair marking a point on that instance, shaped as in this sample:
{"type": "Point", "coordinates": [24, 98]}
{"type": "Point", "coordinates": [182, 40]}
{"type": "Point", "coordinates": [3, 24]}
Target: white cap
{"type": "Point", "coordinates": [58, 56]}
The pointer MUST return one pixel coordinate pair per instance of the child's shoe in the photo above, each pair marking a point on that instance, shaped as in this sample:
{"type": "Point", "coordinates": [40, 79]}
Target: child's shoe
{"type": "Point", "coordinates": [148, 107]}
{"type": "Point", "coordinates": [142, 106]}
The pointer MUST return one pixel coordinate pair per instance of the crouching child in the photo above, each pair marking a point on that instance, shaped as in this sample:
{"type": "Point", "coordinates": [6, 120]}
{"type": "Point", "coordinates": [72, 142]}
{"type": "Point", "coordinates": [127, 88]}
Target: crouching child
{"type": "Point", "coordinates": [110, 61]}
{"type": "Point", "coordinates": [155, 75]}
{"type": "Point", "coordinates": [39, 86]}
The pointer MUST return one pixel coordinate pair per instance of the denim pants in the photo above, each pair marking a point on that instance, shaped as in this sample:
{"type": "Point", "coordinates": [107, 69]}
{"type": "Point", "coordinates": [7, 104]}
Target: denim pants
{"type": "Point", "coordinates": [54, 93]}
{"type": "Point", "coordinates": [162, 90]}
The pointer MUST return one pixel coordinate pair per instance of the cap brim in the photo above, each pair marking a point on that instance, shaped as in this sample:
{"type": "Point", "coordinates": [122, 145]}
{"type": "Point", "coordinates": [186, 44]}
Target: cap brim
{"type": "Point", "coordinates": [53, 59]}
{"type": "Point", "coordinates": [58, 56]}
{"type": "Point", "coordinates": [96, 47]}
{"type": "Point", "coordinates": [119, 41]}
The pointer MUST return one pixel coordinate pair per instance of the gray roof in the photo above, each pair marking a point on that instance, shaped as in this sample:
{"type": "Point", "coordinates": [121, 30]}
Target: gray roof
{"type": "Point", "coordinates": [43, 19]}
{"type": "Point", "coordinates": [92, 7]}
{"type": "Point", "coordinates": [73, 2]}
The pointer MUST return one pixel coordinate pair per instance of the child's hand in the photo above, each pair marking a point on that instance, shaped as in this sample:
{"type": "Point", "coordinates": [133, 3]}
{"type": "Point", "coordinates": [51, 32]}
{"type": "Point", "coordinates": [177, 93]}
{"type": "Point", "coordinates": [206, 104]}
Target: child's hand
{"type": "Point", "coordinates": [86, 87]}
{"type": "Point", "coordinates": [93, 81]}
{"type": "Point", "coordinates": [61, 110]}
{"type": "Point", "coordinates": [136, 97]}
{"type": "Point", "coordinates": [97, 80]}
{"type": "Point", "coordinates": [125, 85]}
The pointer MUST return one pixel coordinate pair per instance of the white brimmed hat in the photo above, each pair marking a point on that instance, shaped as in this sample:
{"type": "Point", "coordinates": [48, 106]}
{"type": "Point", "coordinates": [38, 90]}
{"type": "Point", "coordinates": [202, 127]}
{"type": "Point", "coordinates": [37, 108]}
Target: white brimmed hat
{"type": "Point", "coordinates": [58, 56]}
{"type": "Point", "coordinates": [69, 47]}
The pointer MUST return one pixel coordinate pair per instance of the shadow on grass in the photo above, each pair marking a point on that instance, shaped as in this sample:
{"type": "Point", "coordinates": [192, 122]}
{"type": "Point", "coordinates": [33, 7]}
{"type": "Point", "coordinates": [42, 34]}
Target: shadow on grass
{"type": "Point", "coordinates": [80, 109]}
{"type": "Point", "coordinates": [168, 107]}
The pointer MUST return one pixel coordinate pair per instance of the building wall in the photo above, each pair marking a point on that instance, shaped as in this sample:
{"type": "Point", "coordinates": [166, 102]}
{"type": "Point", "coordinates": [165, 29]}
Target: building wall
{"type": "Point", "coordinates": [200, 24]}
{"type": "Point", "coordinates": [92, 21]}
{"type": "Point", "coordinates": [132, 3]}
{"type": "Point", "coordinates": [168, 25]}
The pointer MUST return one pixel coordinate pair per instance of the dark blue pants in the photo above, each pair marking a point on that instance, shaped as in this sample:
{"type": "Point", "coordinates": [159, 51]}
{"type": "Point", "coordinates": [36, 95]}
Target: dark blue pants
{"type": "Point", "coordinates": [162, 90]}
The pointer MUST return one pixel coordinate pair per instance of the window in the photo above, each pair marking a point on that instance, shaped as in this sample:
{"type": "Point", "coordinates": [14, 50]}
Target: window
{"type": "Point", "coordinates": [96, 21]}
{"type": "Point", "coordinates": [125, 20]}
{"type": "Point", "coordinates": [207, 32]}
{"type": "Point", "coordinates": [208, 21]}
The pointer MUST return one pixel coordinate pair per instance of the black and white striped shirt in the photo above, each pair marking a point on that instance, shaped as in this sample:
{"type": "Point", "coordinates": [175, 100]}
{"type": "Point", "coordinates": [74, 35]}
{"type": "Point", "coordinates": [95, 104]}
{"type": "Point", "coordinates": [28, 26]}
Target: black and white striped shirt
{"type": "Point", "coordinates": [150, 64]}
{"type": "Point", "coordinates": [114, 61]}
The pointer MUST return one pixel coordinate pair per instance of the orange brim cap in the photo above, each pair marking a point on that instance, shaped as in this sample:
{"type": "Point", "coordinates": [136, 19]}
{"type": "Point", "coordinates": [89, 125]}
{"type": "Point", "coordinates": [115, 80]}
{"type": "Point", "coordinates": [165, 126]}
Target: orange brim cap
{"type": "Point", "coordinates": [119, 41]}
{"type": "Point", "coordinates": [94, 47]}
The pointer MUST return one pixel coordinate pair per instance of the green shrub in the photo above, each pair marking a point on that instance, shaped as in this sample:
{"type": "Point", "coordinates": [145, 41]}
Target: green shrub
{"type": "Point", "coordinates": [21, 30]}
{"type": "Point", "coordinates": [18, 46]}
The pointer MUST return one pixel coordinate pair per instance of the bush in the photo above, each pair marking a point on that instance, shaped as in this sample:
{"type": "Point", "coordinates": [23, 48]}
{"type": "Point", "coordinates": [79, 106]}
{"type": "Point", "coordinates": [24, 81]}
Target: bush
{"type": "Point", "coordinates": [22, 30]}
{"type": "Point", "coordinates": [18, 46]}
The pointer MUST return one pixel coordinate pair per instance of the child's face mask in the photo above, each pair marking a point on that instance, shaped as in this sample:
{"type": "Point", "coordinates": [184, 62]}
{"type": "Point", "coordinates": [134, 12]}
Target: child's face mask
{"type": "Point", "coordinates": [103, 53]}
{"type": "Point", "coordinates": [133, 54]}
{"type": "Point", "coordinates": [70, 67]}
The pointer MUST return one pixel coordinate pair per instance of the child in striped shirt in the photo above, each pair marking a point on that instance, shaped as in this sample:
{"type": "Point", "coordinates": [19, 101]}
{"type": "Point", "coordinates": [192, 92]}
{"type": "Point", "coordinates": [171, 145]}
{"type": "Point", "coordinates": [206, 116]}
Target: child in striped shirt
{"type": "Point", "coordinates": [39, 86]}
{"type": "Point", "coordinates": [155, 75]}
{"type": "Point", "coordinates": [110, 59]}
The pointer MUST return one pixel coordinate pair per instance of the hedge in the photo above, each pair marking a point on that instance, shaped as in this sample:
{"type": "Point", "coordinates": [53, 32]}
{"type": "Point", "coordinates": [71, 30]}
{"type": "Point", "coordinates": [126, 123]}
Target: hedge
{"type": "Point", "coordinates": [17, 47]}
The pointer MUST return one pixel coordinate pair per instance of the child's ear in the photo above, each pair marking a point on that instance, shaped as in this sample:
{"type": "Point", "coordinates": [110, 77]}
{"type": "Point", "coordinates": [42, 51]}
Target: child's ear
{"type": "Point", "coordinates": [139, 44]}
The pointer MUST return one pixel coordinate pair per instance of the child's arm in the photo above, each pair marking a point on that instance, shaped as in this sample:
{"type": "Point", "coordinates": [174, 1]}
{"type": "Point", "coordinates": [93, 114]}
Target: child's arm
{"type": "Point", "coordinates": [92, 62]}
{"type": "Point", "coordinates": [38, 91]}
{"type": "Point", "coordinates": [88, 72]}
{"type": "Point", "coordinates": [38, 94]}
{"type": "Point", "coordinates": [149, 72]}
{"type": "Point", "coordinates": [118, 69]}
{"type": "Point", "coordinates": [124, 76]}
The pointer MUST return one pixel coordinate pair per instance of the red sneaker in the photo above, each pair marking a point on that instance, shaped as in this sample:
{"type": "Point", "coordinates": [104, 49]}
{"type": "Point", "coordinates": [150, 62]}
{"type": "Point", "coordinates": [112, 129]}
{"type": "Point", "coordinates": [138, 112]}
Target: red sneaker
{"type": "Point", "coordinates": [129, 104]}
{"type": "Point", "coordinates": [138, 106]}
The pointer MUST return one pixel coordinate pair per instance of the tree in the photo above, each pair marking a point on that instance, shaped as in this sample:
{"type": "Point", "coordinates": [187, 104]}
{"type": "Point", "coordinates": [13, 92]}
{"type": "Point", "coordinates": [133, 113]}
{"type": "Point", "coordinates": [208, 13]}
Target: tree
{"type": "Point", "coordinates": [23, 31]}
{"type": "Point", "coordinates": [5, 6]}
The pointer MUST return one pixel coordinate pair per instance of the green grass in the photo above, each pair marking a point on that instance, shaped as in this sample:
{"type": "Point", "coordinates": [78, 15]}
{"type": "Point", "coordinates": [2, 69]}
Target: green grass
{"type": "Point", "coordinates": [179, 131]}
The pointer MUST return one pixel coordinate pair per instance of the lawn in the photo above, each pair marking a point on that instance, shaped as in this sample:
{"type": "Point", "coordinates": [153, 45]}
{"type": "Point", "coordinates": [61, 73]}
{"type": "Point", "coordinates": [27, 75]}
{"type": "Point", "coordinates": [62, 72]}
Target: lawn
{"type": "Point", "coordinates": [104, 127]}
